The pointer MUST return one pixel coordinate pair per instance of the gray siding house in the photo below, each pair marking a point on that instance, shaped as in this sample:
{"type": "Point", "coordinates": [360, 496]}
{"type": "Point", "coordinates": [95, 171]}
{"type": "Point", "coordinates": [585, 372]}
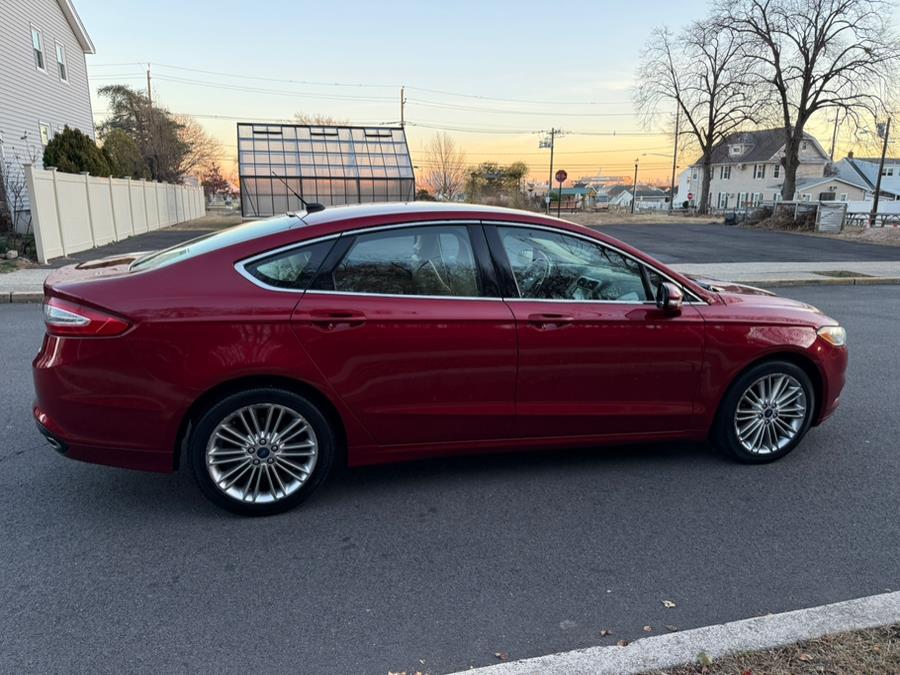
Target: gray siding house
{"type": "Point", "coordinates": [43, 84]}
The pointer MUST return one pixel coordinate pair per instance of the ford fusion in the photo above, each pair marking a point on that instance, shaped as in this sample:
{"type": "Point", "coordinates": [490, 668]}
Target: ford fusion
{"type": "Point", "coordinates": [265, 355]}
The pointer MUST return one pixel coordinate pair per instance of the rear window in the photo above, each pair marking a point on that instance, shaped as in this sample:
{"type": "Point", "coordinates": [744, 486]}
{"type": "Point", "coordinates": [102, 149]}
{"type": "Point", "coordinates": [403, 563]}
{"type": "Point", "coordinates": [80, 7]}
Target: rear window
{"type": "Point", "coordinates": [215, 241]}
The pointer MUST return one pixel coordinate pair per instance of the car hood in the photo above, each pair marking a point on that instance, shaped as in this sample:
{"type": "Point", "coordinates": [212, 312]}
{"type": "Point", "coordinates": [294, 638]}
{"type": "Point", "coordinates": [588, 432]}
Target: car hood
{"type": "Point", "coordinates": [718, 286]}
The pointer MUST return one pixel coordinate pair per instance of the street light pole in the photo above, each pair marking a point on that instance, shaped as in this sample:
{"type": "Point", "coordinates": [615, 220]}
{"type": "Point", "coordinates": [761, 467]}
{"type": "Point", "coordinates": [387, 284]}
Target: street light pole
{"type": "Point", "coordinates": [634, 188]}
{"type": "Point", "coordinates": [874, 213]}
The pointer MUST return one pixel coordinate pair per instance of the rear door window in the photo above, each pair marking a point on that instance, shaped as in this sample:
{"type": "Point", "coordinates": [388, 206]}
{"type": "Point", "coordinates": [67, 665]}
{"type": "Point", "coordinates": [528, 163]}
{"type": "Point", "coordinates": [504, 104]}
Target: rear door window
{"type": "Point", "coordinates": [434, 260]}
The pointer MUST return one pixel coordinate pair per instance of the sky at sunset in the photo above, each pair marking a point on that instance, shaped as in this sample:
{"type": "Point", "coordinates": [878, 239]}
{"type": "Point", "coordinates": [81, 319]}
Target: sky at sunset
{"type": "Point", "coordinates": [492, 74]}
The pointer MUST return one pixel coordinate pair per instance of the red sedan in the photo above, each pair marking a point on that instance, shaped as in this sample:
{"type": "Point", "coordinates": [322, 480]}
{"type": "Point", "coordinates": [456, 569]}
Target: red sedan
{"type": "Point", "coordinates": [264, 355]}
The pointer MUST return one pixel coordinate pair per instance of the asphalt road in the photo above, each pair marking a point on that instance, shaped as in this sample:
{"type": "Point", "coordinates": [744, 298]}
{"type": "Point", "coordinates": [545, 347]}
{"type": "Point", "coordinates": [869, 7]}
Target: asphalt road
{"type": "Point", "coordinates": [678, 241]}
{"type": "Point", "coordinates": [437, 565]}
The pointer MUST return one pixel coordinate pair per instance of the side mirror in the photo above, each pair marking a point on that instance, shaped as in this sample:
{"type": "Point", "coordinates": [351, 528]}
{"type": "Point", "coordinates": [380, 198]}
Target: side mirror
{"type": "Point", "coordinates": [669, 298]}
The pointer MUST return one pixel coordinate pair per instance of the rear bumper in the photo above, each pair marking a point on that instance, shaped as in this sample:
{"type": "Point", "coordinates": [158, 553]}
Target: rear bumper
{"type": "Point", "coordinates": [141, 460]}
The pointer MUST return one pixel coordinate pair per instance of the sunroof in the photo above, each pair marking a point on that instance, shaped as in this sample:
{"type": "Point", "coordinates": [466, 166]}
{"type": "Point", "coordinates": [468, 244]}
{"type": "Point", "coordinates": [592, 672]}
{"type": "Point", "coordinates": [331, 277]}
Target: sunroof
{"type": "Point", "coordinates": [326, 164]}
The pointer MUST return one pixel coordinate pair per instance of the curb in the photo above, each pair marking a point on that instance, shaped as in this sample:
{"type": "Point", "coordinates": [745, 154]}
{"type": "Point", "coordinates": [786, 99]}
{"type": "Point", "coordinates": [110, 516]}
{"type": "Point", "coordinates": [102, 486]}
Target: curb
{"type": "Point", "coordinates": [825, 281]}
{"type": "Point", "coordinates": [674, 649]}
{"type": "Point", "coordinates": [21, 297]}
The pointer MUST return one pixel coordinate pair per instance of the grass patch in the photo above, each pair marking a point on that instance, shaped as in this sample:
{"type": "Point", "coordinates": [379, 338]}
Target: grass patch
{"type": "Point", "coordinates": [841, 274]}
{"type": "Point", "coordinates": [875, 651]}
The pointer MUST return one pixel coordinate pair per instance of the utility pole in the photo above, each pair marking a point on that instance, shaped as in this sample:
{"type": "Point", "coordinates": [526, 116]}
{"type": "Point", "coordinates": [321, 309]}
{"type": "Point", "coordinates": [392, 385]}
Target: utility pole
{"type": "Point", "coordinates": [149, 90]}
{"type": "Point", "coordinates": [634, 188]}
{"type": "Point", "coordinates": [402, 107]}
{"type": "Point", "coordinates": [674, 160]}
{"type": "Point", "coordinates": [834, 133]}
{"type": "Point", "coordinates": [874, 213]}
{"type": "Point", "coordinates": [550, 142]}
{"type": "Point", "coordinates": [150, 120]}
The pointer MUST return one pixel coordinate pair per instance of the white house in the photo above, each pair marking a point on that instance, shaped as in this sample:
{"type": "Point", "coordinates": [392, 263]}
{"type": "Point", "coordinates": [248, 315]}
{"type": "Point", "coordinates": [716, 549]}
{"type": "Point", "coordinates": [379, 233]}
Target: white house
{"type": "Point", "coordinates": [43, 85]}
{"type": "Point", "coordinates": [648, 198]}
{"type": "Point", "coordinates": [747, 171]}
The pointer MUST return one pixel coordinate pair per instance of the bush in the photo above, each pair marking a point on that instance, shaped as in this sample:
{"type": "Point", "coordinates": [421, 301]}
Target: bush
{"type": "Point", "coordinates": [124, 156]}
{"type": "Point", "coordinates": [71, 151]}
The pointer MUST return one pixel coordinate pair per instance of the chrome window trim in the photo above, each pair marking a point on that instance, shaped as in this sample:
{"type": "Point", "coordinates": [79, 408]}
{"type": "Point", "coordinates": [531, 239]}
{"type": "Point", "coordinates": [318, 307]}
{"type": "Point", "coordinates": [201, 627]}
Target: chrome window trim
{"type": "Point", "coordinates": [696, 301]}
{"type": "Point", "coordinates": [240, 265]}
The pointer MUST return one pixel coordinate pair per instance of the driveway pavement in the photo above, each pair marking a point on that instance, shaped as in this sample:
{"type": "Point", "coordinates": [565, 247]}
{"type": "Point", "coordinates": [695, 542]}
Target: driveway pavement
{"type": "Point", "coordinates": [435, 566]}
{"type": "Point", "coordinates": [684, 242]}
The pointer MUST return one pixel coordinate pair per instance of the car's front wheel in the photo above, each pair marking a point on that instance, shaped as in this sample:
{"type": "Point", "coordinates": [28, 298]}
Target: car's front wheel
{"type": "Point", "coordinates": [765, 413]}
{"type": "Point", "coordinates": [261, 451]}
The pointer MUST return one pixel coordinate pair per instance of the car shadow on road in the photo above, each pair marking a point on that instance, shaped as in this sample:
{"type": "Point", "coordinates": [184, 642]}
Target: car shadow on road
{"type": "Point", "coordinates": [108, 490]}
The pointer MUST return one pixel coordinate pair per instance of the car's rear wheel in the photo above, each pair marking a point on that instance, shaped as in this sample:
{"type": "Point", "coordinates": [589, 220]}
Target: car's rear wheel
{"type": "Point", "coordinates": [765, 413]}
{"type": "Point", "coordinates": [261, 451]}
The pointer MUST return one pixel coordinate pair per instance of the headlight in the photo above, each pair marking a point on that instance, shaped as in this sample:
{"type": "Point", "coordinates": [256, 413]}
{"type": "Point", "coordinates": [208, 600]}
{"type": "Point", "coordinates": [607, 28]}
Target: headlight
{"type": "Point", "coordinates": [836, 335]}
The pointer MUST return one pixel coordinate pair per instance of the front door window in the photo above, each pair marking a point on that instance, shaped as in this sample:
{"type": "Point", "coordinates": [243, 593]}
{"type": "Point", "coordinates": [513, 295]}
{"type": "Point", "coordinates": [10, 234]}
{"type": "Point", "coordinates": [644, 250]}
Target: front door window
{"type": "Point", "coordinates": [552, 266]}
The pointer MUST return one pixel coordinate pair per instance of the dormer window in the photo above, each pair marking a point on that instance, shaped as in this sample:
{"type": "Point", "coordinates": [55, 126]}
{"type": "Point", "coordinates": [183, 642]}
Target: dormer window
{"type": "Point", "coordinates": [736, 149]}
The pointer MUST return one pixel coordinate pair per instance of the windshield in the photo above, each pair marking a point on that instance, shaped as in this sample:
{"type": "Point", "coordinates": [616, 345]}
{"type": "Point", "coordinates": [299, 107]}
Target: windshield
{"type": "Point", "coordinates": [215, 241]}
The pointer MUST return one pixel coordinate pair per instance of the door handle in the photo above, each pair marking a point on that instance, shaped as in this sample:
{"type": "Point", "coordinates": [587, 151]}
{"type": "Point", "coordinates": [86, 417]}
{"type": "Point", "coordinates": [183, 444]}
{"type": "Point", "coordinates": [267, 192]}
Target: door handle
{"type": "Point", "coordinates": [550, 321]}
{"type": "Point", "coordinates": [336, 319]}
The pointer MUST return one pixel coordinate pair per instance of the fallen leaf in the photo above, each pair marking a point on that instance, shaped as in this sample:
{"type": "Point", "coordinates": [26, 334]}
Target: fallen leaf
{"type": "Point", "coordinates": [747, 672]}
{"type": "Point", "coordinates": [605, 632]}
{"type": "Point", "coordinates": [503, 656]}
{"type": "Point", "coordinates": [648, 629]}
{"type": "Point", "coordinates": [668, 603]}
{"type": "Point", "coordinates": [671, 628]}
{"type": "Point", "coordinates": [805, 657]}
{"type": "Point", "coordinates": [703, 659]}
{"type": "Point", "coordinates": [622, 643]}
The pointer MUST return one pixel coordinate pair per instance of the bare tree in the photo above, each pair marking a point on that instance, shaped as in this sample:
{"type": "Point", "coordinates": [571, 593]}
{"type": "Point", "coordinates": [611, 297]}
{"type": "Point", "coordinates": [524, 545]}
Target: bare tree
{"type": "Point", "coordinates": [446, 172]}
{"type": "Point", "coordinates": [318, 119]}
{"type": "Point", "coordinates": [201, 151]}
{"type": "Point", "coordinates": [815, 55]}
{"type": "Point", "coordinates": [703, 74]}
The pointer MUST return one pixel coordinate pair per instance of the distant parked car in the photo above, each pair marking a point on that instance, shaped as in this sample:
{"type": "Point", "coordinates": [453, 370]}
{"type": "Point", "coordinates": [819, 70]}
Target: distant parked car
{"type": "Point", "coordinates": [264, 355]}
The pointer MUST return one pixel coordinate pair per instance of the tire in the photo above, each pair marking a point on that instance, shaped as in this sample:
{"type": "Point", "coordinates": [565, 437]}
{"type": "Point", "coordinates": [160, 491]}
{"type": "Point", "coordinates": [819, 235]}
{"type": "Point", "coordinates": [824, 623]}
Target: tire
{"type": "Point", "coordinates": [261, 451]}
{"type": "Point", "coordinates": [749, 392]}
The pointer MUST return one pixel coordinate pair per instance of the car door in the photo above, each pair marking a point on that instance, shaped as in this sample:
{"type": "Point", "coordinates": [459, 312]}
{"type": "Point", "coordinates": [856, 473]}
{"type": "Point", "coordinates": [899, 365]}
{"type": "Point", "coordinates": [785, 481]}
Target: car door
{"type": "Point", "coordinates": [407, 326]}
{"type": "Point", "coordinates": [596, 356]}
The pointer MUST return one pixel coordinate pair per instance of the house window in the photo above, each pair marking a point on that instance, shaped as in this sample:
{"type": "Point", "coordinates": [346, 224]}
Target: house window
{"type": "Point", "coordinates": [804, 145]}
{"type": "Point", "coordinates": [724, 172]}
{"type": "Point", "coordinates": [735, 149]}
{"type": "Point", "coordinates": [722, 201]}
{"type": "Point", "coordinates": [776, 172]}
{"type": "Point", "coordinates": [843, 197]}
{"type": "Point", "coordinates": [694, 174]}
{"type": "Point", "coordinates": [37, 43]}
{"type": "Point", "coordinates": [805, 197]}
{"type": "Point", "coordinates": [45, 134]}
{"type": "Point", "coordinates": [759, 171]}
{"type": "Point", "coordinates": [887, 171]}
{"type": "Point", "coordinates": [61, 62]}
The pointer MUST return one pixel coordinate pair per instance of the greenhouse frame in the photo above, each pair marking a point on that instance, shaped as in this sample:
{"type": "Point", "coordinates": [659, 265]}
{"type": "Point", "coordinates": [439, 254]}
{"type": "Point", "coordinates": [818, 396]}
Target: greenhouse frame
{"type": "Point", "coordinates": [330, 165]}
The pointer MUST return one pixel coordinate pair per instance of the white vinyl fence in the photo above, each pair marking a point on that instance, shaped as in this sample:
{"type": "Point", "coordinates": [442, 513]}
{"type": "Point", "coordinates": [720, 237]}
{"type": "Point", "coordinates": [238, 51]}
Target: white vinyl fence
{"type": "Point", "coordinates": [75, 212]}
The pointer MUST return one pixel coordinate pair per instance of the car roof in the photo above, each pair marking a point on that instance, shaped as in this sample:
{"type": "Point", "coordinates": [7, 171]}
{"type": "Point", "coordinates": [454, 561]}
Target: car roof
{"type": "Point", "coordinates": [334, 214]}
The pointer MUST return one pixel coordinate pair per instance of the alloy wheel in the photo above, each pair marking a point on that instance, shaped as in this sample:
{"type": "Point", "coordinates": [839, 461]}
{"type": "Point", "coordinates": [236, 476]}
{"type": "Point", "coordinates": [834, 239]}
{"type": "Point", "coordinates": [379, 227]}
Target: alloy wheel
{"type": "Point", "coordinates": [261, 453]}
{"type": "Point", "coordinates": [770, 413]}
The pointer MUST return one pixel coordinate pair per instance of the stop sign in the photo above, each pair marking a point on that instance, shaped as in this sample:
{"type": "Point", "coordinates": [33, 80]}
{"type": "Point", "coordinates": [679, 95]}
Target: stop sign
{"type": "Point", "coordinates": [561, 176]}
{"type": "Point", "coordinates": [690, 196]}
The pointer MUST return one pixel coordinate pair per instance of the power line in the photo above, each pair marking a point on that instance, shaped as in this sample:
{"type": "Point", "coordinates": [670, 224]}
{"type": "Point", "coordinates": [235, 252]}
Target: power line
{"type": "Point", "coordinates": [321, 83]}
{"type": "Point", "coordinates": [498, 111]}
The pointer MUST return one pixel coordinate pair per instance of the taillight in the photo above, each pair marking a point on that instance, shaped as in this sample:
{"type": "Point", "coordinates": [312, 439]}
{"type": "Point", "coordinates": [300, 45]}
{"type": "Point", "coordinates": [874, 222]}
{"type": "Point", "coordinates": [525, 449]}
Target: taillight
{"type": "Point", "coordinates": [69, 319]}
